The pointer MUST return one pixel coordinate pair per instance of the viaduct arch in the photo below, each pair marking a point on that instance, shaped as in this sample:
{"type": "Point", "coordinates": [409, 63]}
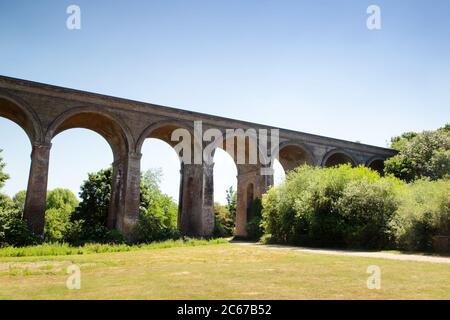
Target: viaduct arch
{"type": "Point", "coordinates": [43, 111]}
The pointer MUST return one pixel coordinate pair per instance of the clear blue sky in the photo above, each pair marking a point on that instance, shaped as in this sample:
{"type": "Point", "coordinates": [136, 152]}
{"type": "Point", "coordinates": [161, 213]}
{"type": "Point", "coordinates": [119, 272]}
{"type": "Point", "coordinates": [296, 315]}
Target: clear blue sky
{"type": "Point", "coordinates": [311, 66]}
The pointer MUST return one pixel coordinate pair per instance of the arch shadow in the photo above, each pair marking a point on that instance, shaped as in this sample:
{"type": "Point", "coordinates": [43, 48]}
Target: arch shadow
{"type": "Point", "coordinates": [107, 124]}
{"type": "Point", "coordinates": [337, 157]}
{"type": "Point", "coordinates": [18, 111]}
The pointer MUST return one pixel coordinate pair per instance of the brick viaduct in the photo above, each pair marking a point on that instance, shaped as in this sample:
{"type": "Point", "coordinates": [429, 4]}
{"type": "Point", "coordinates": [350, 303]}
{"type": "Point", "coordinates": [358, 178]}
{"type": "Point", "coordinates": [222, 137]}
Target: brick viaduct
{"type": "Point", "coordinates": [44, 111]}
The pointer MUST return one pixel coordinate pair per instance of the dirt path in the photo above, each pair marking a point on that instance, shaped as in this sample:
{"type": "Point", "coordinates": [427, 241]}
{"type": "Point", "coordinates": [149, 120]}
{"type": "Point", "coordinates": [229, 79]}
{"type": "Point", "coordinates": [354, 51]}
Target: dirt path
{"type": "Point", "coordinates": [366, 254]}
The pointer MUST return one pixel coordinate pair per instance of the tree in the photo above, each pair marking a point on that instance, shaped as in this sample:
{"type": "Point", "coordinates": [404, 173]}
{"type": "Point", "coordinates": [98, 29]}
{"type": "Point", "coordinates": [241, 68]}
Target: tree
{"type": "Point", "coordinates": [60, 198]}
{"type": "Point", "coordinates": [13, 230]}
{"type": "Point", "coordinates": [95, 197]}
{"type": "Point", "coordinates": [223, 221]}
{"type": "Point", "coordinates": [3, 176]}
{"type": "Point", "coordinates": [231, 201]}
{"type": "Point", "coordinates": [88, 221]}
{"type": "Point", "coordinates": [19, 199]}
{"type": "Point", "coordinates": [425, 154]}
{"type": "Point", "coordinates": [61, 204]}
{"type": "Point", "coordinates": [157, 211]}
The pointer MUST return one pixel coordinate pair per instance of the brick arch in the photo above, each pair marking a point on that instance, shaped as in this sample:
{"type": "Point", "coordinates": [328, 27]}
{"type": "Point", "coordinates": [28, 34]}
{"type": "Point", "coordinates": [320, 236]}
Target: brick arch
{"type": "Point", "coordinates": [222, 144]}
{"type": "Point", "coordinates": [293, 154]}
{"type": "Point", "coordinates": [106, 124]}
{"type": "Point", "coordinates": [162, 130]}
{"type": "Point", "coordinates": [18, 111]}
{"type": "Point", "coordinates": [336, 157]}
{"type": "Point", "coordinates": [376, 163]}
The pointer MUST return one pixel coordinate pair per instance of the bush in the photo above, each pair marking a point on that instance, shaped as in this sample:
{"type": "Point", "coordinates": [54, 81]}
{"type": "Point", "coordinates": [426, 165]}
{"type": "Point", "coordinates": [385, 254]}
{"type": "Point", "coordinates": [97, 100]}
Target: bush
{"type": "Point", "coordinates": [367, 209]}
{"type": "Point", "coordinates": [13, 229]}
{"type": "Point", "coordinates": [158, 212]}
{"type": "Point", "coordinates": [223, 221]}
{"type": "Point", "coordinates": [340, 206]}
{"type": "Point", "coordinates": [424, 213]}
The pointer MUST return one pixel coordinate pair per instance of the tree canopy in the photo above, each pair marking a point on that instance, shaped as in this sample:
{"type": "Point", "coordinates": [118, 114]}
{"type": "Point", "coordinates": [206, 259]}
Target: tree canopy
{"type": "Point", "coordinates": [3, 176]}
{"type": "Point", "coordinates": [424, 154]}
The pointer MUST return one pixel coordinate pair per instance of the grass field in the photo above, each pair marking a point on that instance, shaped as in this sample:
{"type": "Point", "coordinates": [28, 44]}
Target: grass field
{"type": "Point", "coordinates": [218, 271]}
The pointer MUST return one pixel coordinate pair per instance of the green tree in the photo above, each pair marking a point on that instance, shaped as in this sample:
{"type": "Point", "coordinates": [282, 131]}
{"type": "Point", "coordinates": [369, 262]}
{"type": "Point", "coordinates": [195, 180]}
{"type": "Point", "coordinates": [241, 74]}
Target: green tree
{"type": "Point", "coordinates": [60, 198]}
{"type": "Point", "coordinates": [425, 154]}
{"type": "Point", "coordinates": [88, 221]}
{"type": "Point", "coordinates": [13, 230]}
{"type": "Point", "coordinates": [231, 201]}
{"type": "Point", "coordinates": [158, 212]}
{"type": "Point", "coordinates": [3, 176]}
{"type": "Point", "coordinates": [61, 204]}
{"type": "Point", "coordinates": [19, 199]}
{"type": "Point", "coordinates": [95, 197]}
{"type": "Point", "coordinates": [223, 221]}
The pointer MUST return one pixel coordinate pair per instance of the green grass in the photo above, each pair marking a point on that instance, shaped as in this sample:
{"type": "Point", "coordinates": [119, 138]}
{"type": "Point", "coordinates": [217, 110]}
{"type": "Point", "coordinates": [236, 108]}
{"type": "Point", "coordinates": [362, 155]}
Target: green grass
{"type": "Point", "coordinates": [58, 249]}
{"type": "Point", "coordinates": [219, 271]}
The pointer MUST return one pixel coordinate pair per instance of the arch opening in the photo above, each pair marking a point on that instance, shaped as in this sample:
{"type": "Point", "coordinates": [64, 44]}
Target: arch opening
{"type": "Point", "coordinates": [337, 159]}
{"type": "Point", "coordinates": [20, 116]}
{"type": "Point", "coordinates": [16, 147]}
{"type": "Point", "coordinates": [293, 156]}
{"type": "Point", "coordinates": [104, 125]}
{"type": "Point", "coordinates": [166, 164]}
{"type": "Point", "coordinates": [70, 163]}
{"type": "Point", "coordinates": [225, 175]}
{"type": "Point", "coordinates": [279, 174]}
{"type": "Point", "coordinates": [377, 165]}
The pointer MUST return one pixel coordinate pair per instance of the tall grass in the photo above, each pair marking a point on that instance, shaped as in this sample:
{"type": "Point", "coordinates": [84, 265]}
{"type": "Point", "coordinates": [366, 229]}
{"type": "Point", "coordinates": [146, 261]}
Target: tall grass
{"type": "Point", "coordinates": [58, 249]}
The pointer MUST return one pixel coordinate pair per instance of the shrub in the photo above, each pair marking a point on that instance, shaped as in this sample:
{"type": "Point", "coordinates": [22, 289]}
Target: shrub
{"type": "Point", "coordinates": [13, 230]}
{"type": "Point", "coordinates": [158, 212]}
{"type": "Point", "coordinates": [368, 209]}
{"type": "Point", "coordinates": [424, 212]}
{"type": "Point", "coordinates": [340, 206]}
{"type": "Point", "coordinates": [223, 221]}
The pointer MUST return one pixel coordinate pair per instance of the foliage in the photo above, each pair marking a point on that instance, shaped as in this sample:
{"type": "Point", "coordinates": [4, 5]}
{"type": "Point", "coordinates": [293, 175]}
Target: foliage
{"type": "Point", "coordinates": [88, 221]}
{"type": "Point", "coordinates": [13, 229]}
{"type": "Point", "coordinates": [223, 221]}
{"type": "Point", "coordinates": [158, 212]}
{"type": "Point", "coordinates": [425, 154]}
{"type": "Point", "coordinates": [340, 206]}
{"type": "Point", "coordinates": [355, 207]}
{"type": "Point", "coordinates": [225, 216]}
{"type": "Point", "coordinates": [3, 176]}
{"type": "Point", "coordinates": [63, 249]}
{"type": "Point", "coordinates": [367, 209]}
{"type": "Point", "coordinates": [424, 213]}
{"type": "Point", "coordinates": [61, 203]}
{"type": "Point", "coordinates": [19, 199]}
{"type": "Point", "coordinates": [95, 197]}
{"type": "Point", "coordinates": [231, 202]}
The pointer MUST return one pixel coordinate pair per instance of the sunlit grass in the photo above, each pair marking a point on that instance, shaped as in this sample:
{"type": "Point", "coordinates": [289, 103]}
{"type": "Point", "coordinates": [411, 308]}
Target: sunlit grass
{"type": "Point", "coordinates": [219, 271]}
